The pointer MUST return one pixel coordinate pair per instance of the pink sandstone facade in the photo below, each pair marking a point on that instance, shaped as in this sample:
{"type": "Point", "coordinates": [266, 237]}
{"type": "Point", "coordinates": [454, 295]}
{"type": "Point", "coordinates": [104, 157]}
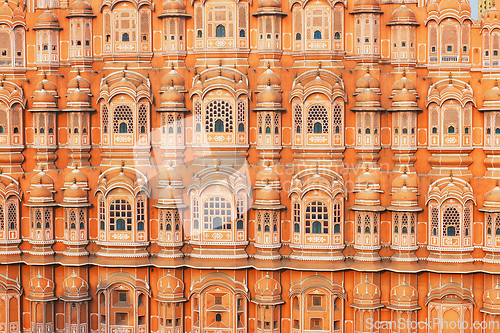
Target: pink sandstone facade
{"type": "Point", "coordinates": [245, 166]}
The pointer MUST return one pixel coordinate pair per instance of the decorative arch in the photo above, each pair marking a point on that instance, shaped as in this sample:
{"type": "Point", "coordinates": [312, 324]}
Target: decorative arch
{"type": "Point", "coordinates": [221, 97]}
{"type": "Point", "coordinates": [317, 304]}
{"type": "Point", "coordinates": [451, 203]}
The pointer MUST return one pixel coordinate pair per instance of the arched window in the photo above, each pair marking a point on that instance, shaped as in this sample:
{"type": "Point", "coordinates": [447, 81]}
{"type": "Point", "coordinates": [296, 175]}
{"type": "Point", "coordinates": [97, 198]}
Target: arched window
{"type": "Point", "coordinates": [367, 224]}
{"type": "Point", "coordinates": [316, 211]}
{"type": "Point", "coordinates": [336, 218]}
{"type": "Point", "coordinates": [317, 114]}
{"type": "Point", "coordinates": [219, 126]}
{"type": "Point", "coordinates": [242, 33]}
{"type": "Point", "coordinates": [497, 226]}
{"type": "Point", "coordinates": [318, 128]}
{"type": "Point", "coordinates": [217, 214]}
{"type": "Point", "coordinates": [337, 35]}
{"type": "Point", "coordinates": [296, 217]}
{"type": "Point", "coordinates": [317, 34]}
{"type": "Point", "coordinates": [123, 114]}
{"type": "Point", "coordinates": [404, 224]}
{"type": "Point", "coordinates": [123, 128]}
{"type": "Point", "coordinates": [451, 130]}
{"type": "Point", "coordinates": [316, 227]}
{"type": "Point", "coordinates": [219, 117]}
{"type": "Point", "coordinates": [298, 36]}
{"type": "Point", "coordinates": [120, 215]}
{"type": "Point", "coordinates": [451, 222]}
{"type": "Point", "coordinates": [140, 214]}
{"type": "Point", "coordinates": [125, 37]}
{"type": "Point", "coordinates": [220, 31]}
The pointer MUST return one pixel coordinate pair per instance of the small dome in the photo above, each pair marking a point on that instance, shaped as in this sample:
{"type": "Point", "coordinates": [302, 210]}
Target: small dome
{"type": "Point", "coordinates": [492, 197]}
{"type": "Point", "coordinates": [492, 95]}
{"type": "Point", "coordinates": [170, 287]}
{"type": "Point", "coordinates": [366, 293]}
{"type": "Point", "coordinates": [367, 178]}
{"type": "Point", "coordinates": [269, 77]}
{"type": "Point", "coordinates": [170, 175]}
{"type": "Point", "coordinates": [76, 175]}
{"type": "Point", "coordinates": [432, 7]}
{"type": "Point", "coordinates": [318, 82]}
{"type": "Point", "coordinates": [403, 293]}
{"type": "Point", "coordinates": [449, 4]}
{"type": "Point", "coordinates": [367, 81]}
{"type": "Point", "coordinates": [79, 81]}
{"type": "Point", "coordinates": [43, 179]}
{"type": "Point", "coordinates": [269, 4]}
{"type": "Point", "coordinates": [267, 194]}
{"type": "Point", "coordinates": [74, 286]}
{"type": "Point", "coordinates": [366, 5]}
{"type": "Point", "coordinates": [403, 14]}
{"type": "Point", "coordinates": [267, 288]}
{"type": "Point", "coordinates": [269, 96]}
{"type": "Point", "coordinates": [404, 180]}
{"type": "Point", "coordinates": [78, 96]}
{"type": "Point", "coordinates": [404, 82]}
{"type": "Point", "coordinates": [366, 196]}
{"type": "Point", "coordinates": [47, 20]}
{"type": "Point", "coordinates": [367, 95]}
{"type": "Point", "coordinates": [41, 286]}
{"type": "Point", "coordinates": [173, 76]}
{"type": "Point", "coordinates": [174, 6]}
{"type": "Point", "coordinates": [80, 5]}
{"type": "Point", "coordinates": [44, 96]}
{"type": "Point", "coordinates": [404, 195]}
{"type": "Point", "coordinates": [172, 95]}
{"type": "Point", "coordinates": [40, 194]}
{"type": "Point", "coordinates": [169, 193]}
{"type": "Point", "coordinates": [241, 85]}
{"type": "Point", "coordinates": [45, 84]}
{"type": "Point", "coordinates": [267, 174]}
{"type": "Point", "coordinates": [75, 194]}
{"type": "Point", "coordinates": [404, 96]}
{"type": "Point", "coordinates": [5, 10]}
{"type": "Point", "coordinates": [491, 297]}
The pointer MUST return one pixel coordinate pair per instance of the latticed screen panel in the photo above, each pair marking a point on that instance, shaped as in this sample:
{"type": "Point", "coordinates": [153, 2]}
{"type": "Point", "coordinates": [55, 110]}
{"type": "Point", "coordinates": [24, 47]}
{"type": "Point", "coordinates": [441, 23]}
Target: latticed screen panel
{"type": "Point", "coordinates": [451, 118]}
{"type": "Point", "coordinates": [12, 215]}
{"type": "Point", "coordinates": [105, 118]}
{"type": "Point", "coordinates": [337, 118]}
{"type": "Point", "coordinates": [142, 120]}
{"type": "Point", "coordinates": [241, 114]}
{"type": "Point", "coordinates": [218, 117]}
{"type": "Point", "coordinates": [467, 221]}
{"type": "Point", "coordinates": [434, 221]}
{"type": "Point", "coordinates": [451, 222]}
{"type": "Point", "coordinates": [123, 119]}
{"type": "Point", "coordinates": [449, 37]}
{"type": "Point", "coordinates": [5, 48]}
{"type": "Point", "coordinates": [317, 113]}
{"type": "Point", "coordinates": [298, 119]}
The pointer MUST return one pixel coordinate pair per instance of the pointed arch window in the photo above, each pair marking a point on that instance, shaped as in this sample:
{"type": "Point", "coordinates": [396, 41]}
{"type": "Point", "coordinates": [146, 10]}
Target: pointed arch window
{"type": "Point", "coordinates": [220, 31]}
